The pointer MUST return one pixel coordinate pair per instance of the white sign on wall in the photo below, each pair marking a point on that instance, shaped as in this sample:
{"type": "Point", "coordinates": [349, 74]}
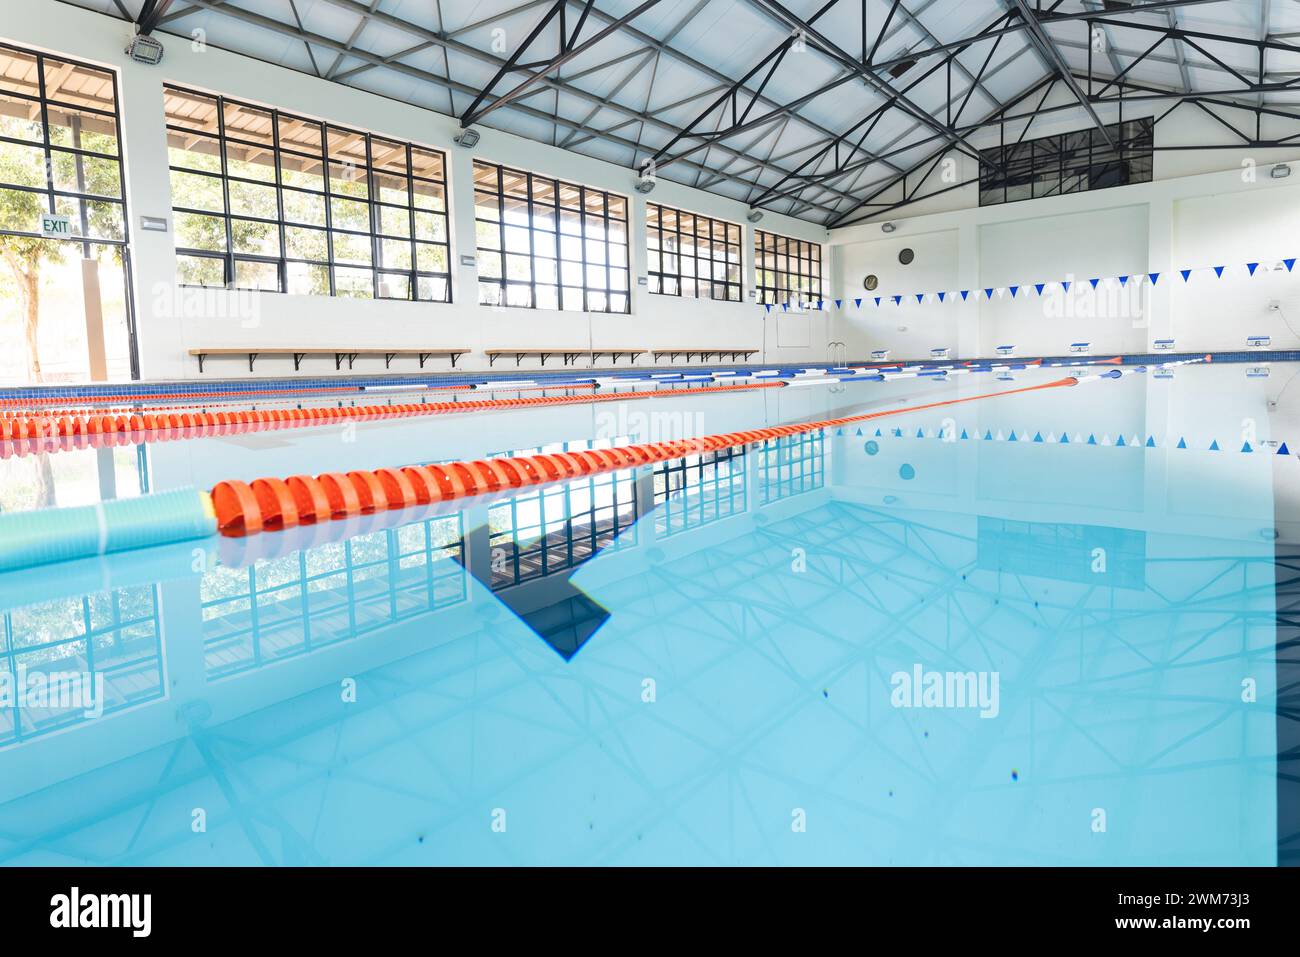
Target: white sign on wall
{"type": "Point", "coordinates": [56, 227]}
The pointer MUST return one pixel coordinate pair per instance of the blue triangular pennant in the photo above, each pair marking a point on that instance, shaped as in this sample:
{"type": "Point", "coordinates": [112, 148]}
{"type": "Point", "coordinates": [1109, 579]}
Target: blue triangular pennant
{"type": "Point", "coordinates": [988, 293]}
{"type": "Point", "coordinates": [1039, 286]}
{"type": "Point", "coordinates": [1182, 443]}
{"type": "Point", "coordinates": [965, 436]}
{"type": "Point", "coordinates": [1012, 437]}
{"type": "Point", "coordinates": [897, 300]}
{"type": "Point", "coordinates": [1013, 291]}
{"type": "Point", "coordinates": [839, 303]}
{"type": "Point", "coordinates": [1065, 284]}
{"type": "Point", "coordinates": [920, 296]}
{"type": "Point", "coordinates": [1218, 271]}
{"type": "Point", "coordinates": [941, 295]}
{"type": "Point", "coordinates": [1283, 450]}
{"type": "Point", "coordinates": [1119, 443]}
{"type": "Point", "coordinates": [1186, 274]}
{"type": "Point", "coordinates": [768, 307]}
{"type": "Point", "coordinates": [1151, 442]}
{"type": "Point", "coordinates": [1245, 447]}
{"type": "Point", "coordinates": [1065, 438]}
{"type": "Point", "coordinates": [1288, 263]}
{"type": "Point", "coordinates": [988, 435]}
{"type": "Point", "coordinates": [1153, 276]}
{"type": "Point", "coordinates": [1092, 439]}
{"type": "Point", "coordinates": [964, 294]}
{"type": "Point", "coordinates": [1123, 280]}
{"type": "Point", "coordinates": [877, 300]}
{"type": "Point", "coordinates": [1214, 445]}
{"type": "Point", "coordinates": [1038, 436]}
{"type": "Point", "coordinates": [1094, 282]}
{"type": "Point", "coordinates": [858, 303]}
{"type": "Point", "coordinates": [1252, 267]}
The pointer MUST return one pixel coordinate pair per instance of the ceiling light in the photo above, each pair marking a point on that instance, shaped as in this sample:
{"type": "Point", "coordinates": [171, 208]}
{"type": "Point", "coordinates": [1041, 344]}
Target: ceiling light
{"type": "Point", "coordinates": [754, 215]}
{"type": "Point", "coordinates": [467, 138]}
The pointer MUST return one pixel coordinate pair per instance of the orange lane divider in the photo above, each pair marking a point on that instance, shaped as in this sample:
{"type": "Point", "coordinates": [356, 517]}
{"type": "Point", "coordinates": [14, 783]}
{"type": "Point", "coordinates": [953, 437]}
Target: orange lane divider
{"type": "Point", "coordinates": [269, 504]}
{"type": "Point", "coordinates": [129, 408]}
{"type": "Point", "coordinates": [30, 435]}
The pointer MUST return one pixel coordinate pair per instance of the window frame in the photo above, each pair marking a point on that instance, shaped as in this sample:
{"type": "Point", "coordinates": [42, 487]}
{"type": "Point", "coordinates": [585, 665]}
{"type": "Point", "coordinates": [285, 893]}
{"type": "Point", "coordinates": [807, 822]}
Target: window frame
{"type": "Point", "coordinates": [658, 278]}
{"type": "Point", "coordinates": [1071, 166]}
{"type": "Point", "coordinates": [775, 284]}
{"type": "Point", "coordinates": [554, 240]}
{"type": "Point", "coordinates": [48, 149]}
{"type": "Point", "coordinates": [374, 236]}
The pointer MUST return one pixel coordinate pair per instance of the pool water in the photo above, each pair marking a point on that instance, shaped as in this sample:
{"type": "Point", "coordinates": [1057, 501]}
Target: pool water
{"type": "Point", "coordinates": [1035, 629]}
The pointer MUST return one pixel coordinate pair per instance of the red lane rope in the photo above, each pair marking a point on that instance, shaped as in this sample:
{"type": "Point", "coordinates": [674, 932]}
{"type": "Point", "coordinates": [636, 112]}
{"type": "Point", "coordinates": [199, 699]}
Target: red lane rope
{"type": "Point", "coordinates": [268, 504]}
{"type": "Point", "coordinates": [29, 435]}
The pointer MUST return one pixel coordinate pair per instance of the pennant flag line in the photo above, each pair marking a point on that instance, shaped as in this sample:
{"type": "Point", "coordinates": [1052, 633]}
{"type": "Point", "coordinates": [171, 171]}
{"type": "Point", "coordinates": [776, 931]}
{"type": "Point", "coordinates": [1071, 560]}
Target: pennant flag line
{"type": "Point", "coordinates": [1041, 287]}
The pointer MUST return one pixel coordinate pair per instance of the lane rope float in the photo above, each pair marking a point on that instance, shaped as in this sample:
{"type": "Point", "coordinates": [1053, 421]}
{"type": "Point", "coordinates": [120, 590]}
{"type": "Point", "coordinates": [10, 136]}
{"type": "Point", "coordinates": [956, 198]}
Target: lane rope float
{"type": "Point", "coordinates": [34, 434]}
{"type": "Point", "coordinates": [235, 508]}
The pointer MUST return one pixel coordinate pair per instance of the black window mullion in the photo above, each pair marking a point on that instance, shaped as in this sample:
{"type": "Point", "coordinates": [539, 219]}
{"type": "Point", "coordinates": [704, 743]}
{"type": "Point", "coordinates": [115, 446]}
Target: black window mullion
{"type": "Point", "coordinates": [415, 259]}
{"type": "Point", "coordinates": [282, 266]}
{"type": "Point", "coordinates": [329, 206]}
{"type": "Point", "coordinates": [501, 234]}
{"type": "Point", "coordinates": [376, 259]}
{"type": "Point", "coordinates": [609, 292]}
{"type": "Point", "coordinates": [557, 242]}
{"type": "Point", "coordinates": [532, 241]}
{"type": "Point", "coordinates": [225, 192]}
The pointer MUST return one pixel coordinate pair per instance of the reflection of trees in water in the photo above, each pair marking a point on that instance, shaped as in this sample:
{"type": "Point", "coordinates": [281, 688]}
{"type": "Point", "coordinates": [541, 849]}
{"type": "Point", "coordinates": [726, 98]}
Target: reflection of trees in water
{"type": "Point", "coordinates": [45, 493]}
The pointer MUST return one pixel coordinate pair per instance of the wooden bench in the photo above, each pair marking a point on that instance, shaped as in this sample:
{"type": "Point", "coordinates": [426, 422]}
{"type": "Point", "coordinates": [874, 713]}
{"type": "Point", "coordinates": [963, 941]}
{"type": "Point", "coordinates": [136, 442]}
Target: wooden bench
{"type": "Point", "coordinates": [350, 354]}
{"type": "Point", "coordinates": [702, 353]}
{"type": "Point", "coordinates": [569, 356]}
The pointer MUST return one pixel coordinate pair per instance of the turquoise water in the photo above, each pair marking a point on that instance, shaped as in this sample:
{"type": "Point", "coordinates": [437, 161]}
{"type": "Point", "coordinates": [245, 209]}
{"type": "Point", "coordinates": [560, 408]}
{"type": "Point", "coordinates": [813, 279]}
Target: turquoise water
{"type": "Point", "coordinates": [701, 662]}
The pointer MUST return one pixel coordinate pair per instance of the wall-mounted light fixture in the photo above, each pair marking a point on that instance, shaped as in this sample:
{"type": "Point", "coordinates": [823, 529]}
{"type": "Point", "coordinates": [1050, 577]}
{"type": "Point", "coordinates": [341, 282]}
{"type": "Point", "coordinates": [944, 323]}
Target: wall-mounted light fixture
{"type": "Point", "coordinates": [467, 138]}
{"type": "Point", "coordinates": [887, 227]}
{"type": "Point", "coordinates": [754, 215]}
{"type": "Point", "coordinates": [1280, 171]}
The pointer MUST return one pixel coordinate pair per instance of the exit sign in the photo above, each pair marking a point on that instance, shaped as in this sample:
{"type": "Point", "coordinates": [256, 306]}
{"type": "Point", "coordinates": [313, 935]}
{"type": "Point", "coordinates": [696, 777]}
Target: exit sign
{"type": "Point", "coordinates": [56, 227]}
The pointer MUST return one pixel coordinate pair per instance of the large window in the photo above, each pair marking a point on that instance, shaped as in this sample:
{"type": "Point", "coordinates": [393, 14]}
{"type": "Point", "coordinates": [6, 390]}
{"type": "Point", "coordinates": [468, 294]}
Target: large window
{"type": "Point", "coordinates": [1068, 163]}
{"type": "Point", "coordinates": [788, 270]}
{"type": "Point", "coordinates": [265, 200]}
{"type": "Point", "coordinates": [60, 156]}
{"type": "Point", "coordinates": [690, 255]}
{"type": "Point", "coordinates": [547, 244]}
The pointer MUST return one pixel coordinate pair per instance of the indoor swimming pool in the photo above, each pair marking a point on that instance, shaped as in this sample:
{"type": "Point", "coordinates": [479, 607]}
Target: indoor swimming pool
{"type": "Point", "coordinates": [1040, 627]}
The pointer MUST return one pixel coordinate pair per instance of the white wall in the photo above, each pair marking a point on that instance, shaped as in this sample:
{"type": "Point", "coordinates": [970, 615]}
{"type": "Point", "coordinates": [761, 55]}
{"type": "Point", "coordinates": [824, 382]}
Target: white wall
{"type": "Point", "coordinates": [1196, 221]}
{"type": "Point", "coordinates": [168, 326]}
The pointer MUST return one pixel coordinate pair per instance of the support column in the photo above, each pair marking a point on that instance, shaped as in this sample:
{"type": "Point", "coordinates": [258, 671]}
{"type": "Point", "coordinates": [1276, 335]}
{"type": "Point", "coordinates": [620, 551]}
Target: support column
{"type": "Point", "coordinates": [1160, 253]}
{"type": "Point", "coordinates": [969, 342]}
